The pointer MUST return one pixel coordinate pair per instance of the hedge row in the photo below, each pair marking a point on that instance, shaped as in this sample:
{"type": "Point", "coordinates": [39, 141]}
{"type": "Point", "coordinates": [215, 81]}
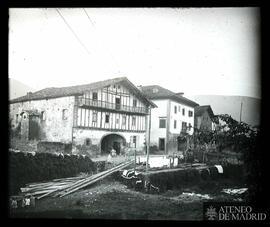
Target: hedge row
{"type": "Point", "coordinates": [178, 179]}
{"type": "Point", "coordinates": [26, 168]}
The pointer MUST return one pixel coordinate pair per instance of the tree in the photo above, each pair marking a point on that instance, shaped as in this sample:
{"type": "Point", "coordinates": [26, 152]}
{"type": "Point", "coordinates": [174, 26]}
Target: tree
{"type": "Point", "coordinates": [242, 138]}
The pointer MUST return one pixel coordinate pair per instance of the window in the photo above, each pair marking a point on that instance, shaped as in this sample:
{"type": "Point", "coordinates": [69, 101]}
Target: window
{"type": "Point", "coordinates": [189, 126]}
{"type": "Point", "coordinates": [162, 123]}
{"type": "Point", "coordinates": [183, 111]}
{"type": "Point", "coordinates": [124, 120]}
{"type": "Point", "coordinates": [87, 142]}
{"type": "Point", "coordinates": [190, 113]}
{"type": "Point", "coordinates": [117, 103]}
{"type": "Point", "coordinates": [134, 102]}
{"type": "Point", "coordinates": [107, 118]}
{"type": "Point", "coordinates": [175, 109]}
{"type": "Point", "coordinates": [133, 121]}
{"type": "Point", "coordinates": [64, 114]}
{"type": "Point", "coordinates": [95, 96]}
{"type": "Point", "coordinates": [135, 141]}
{"type": "Point", "coordinates": [94, 119]}
{"type": "Point", "coordinates": [175, 123]}
{"type": "Point", "coordinates": [43, 116]}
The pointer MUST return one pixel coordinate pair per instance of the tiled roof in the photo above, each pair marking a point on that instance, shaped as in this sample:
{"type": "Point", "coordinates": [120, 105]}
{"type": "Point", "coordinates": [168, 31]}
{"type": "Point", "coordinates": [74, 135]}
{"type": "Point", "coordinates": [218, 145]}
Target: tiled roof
{"type": "Point", "coordinates": [55, 92]}
{"type": "Point", "coordinates": [158, 92]}
{"type": "Point", "coordinates": [199, 110]}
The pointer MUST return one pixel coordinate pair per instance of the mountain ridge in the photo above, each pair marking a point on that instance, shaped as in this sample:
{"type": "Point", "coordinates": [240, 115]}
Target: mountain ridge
{"type": "Point", "coordinates": [17, 89]}
{"type": "Point", "coordinates": [231, 104]}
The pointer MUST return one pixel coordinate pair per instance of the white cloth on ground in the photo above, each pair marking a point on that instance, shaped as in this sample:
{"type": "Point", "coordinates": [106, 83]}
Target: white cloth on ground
{"type": "Point", "coordinates": [219, 168]}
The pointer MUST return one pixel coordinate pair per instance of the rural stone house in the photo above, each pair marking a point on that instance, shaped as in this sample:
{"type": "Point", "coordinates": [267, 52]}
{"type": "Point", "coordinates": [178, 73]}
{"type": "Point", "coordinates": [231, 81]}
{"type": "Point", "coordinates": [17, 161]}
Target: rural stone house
{"type": "Point", "coordinates": [94, 117]}
{"type": "Point", "coordinates": [204, 118]}
{"type": "Point", "coordinates": [175, 114]}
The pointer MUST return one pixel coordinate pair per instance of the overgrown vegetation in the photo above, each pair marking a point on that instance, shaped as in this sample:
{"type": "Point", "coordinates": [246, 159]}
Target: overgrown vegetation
{"type": "Point", "coordinates": [237, 137]}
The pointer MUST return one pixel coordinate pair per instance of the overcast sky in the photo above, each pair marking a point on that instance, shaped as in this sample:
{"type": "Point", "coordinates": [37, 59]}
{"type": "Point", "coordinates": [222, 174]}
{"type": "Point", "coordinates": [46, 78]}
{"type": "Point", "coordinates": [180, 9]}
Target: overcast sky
{"type": "Point", "coordinates": [190, 50]}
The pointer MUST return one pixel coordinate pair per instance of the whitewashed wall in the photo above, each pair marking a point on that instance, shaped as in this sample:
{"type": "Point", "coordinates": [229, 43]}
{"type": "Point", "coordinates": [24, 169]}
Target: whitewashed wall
{"type": "Point", "coordinates": [179, 117]}
{"type": "Point", "coordinates": [80, 136]}
{"type": "Point", "coordinates": [156, 113]}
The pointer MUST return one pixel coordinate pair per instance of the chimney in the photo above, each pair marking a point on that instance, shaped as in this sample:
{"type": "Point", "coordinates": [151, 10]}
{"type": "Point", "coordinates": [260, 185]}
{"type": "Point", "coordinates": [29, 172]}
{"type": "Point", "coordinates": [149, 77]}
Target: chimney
{"type": "Point", "coordinates": [139, 87]}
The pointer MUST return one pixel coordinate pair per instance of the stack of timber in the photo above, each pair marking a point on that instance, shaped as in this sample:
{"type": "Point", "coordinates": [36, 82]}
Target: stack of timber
{"type": "Point", "coordinates": [64, 186]}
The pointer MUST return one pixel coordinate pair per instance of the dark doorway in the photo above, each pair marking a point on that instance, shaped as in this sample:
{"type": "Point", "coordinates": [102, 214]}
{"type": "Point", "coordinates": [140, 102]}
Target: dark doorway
{"type": "Point", "coordinates": [117, 103]}
{"type": "Point", "coordinates": [181, 143]}
{"type": "Point", "coordinates": [33, 127]}
{"type": "Point", "coordinates": [116, 146]}
{"type": "Point", "coordinates": [161, 144]}
{"type": "Point", "coordinates": [114, 141]}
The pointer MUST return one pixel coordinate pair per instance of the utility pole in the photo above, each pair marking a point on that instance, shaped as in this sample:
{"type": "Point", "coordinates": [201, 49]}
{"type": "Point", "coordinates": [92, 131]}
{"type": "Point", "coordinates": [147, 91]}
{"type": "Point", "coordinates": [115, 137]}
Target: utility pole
{"type": "Point", "coordinates": [146, 182]}
{"type": "Point", "coordinates": [134, 160]}
{"type": "Point", "coordinates": [241, 111]}
{"type": "Point", "coordinates": [148, 140]}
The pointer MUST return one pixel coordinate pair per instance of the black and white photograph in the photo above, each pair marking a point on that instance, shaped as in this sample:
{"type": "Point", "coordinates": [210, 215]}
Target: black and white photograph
{"type": "Point", "coordinates": [135, 113]}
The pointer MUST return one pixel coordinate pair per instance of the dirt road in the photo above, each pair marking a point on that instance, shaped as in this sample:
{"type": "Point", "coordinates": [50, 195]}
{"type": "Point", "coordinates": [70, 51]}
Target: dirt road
{"type": "Point", "coordinates": [110, 199]}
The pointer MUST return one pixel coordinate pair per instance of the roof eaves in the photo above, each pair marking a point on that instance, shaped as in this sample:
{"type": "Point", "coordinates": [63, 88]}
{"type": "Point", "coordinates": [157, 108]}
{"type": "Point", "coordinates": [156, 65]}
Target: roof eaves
{"type": "Point", "coordinates": [140, 93]}
{"type": "Point", "coordinates": [26, 99]}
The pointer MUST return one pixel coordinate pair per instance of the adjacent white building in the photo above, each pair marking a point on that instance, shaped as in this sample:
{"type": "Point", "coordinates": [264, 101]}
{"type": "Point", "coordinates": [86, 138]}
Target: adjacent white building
{"type": "Point", "coordinates": [175, 114]}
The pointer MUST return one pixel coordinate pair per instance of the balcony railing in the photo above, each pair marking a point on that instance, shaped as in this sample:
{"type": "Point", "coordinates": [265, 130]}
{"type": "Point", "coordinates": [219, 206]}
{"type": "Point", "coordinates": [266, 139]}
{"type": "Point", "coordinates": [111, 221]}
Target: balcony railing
{"type": "Point", "coordinates": [112, 106]}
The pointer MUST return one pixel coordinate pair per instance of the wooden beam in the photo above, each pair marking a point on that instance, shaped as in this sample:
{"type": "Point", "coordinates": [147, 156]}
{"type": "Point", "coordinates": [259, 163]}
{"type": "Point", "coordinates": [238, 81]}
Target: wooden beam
{"type": "Point", "coordinates": [167, 125]}
{"type": "Point", "coordinates": [84, 117]}
{"type": "Point", "coordinates": [96, 178]}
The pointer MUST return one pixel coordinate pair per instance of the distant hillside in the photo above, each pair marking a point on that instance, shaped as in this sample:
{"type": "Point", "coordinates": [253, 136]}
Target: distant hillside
{"type": "Point", "coordinates": [17, 88]}
{"type": "Point", "coordinates": [231, 105]}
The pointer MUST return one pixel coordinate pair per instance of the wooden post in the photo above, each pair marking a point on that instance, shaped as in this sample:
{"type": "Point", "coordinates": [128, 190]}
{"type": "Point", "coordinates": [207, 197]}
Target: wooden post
{"type": "Point", "coordinates": [148, 140]}
{"type": "Point", "coordinates": [146, 183]}
{"type": "Point", "coordinates": [134, 160]}
{"type": "Point", "coordinates": [241, 111]}
{"type": "Point", "coordinates": [203, 157]}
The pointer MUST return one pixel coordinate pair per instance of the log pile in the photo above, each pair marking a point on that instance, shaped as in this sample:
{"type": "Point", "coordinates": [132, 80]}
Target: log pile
{"type": "Point", "coordinates": [65, 186]}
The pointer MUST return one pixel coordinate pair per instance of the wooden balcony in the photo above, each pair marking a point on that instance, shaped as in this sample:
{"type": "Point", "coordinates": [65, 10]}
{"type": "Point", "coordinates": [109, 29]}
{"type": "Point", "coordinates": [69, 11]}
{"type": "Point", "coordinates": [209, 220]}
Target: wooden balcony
{"type": "Point", "coordinates": [85, 102]}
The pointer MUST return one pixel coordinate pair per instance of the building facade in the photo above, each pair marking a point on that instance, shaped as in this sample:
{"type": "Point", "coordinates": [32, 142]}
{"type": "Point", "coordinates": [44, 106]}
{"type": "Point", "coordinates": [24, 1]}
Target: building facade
{"type": "Point", "coordinates": [95, 117]}
{"type": "Point", "coordinates": [204, 118]}
{"type": "Point", "coordinates": [174, 114]}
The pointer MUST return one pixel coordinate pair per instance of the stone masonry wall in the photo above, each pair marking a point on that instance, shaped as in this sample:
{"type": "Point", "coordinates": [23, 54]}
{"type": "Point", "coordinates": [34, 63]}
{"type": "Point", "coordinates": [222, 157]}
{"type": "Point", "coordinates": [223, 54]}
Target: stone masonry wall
{"type": "Point", "coordinates": [52, 127]}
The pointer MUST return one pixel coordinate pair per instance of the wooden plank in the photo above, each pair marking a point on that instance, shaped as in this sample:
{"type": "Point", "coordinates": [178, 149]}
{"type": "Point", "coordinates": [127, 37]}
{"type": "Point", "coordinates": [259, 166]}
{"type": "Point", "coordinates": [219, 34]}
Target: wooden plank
{"type": "Point", "coordinates": [97, 179]}
{"type": "Point", "coordinates": [93, 177]}
{"type": "Point", "coordinates": [81, 182]}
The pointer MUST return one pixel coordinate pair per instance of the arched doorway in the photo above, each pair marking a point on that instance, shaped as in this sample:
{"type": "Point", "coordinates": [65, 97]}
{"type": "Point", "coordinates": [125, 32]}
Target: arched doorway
{"type": "Point", "coordinates": [110, 141]}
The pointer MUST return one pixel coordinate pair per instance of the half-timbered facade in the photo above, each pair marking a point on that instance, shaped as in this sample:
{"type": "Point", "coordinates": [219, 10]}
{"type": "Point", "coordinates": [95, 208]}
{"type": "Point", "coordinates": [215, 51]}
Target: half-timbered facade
{"type": "Point", "coordinates": [95, 117]}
